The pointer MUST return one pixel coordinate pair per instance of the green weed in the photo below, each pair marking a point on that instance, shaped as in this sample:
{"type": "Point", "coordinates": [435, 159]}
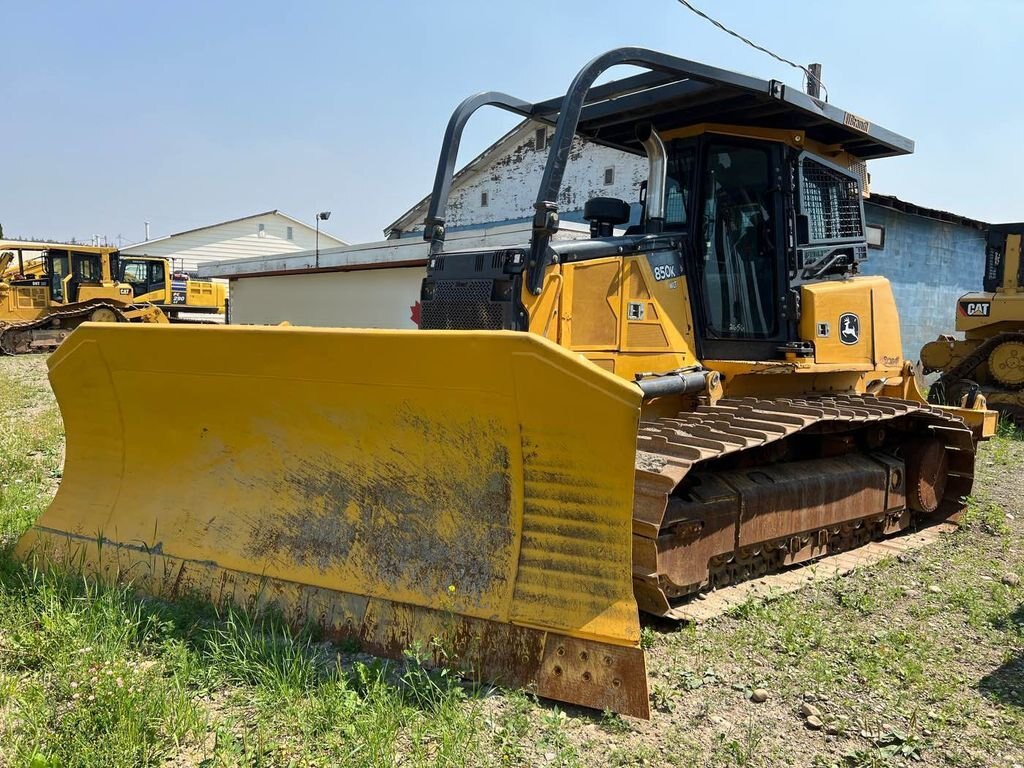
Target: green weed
{"type": "Point", "coordinates": [985, 515]}
{"type": "Point", "coordinates": [741, 750]}
{"type": "Point", "coordinates": [1008, 430]}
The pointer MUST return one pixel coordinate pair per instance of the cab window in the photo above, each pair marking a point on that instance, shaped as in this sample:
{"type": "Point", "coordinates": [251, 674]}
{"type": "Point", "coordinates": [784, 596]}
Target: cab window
{"type": "Point", "coordinates": [738, 263]}
{"type": "Point", "coordinates": [135, 272]}
{"type": "Point", "coordinates": [59, 264]}
{"type": "Point", "coordinates": [86, 267]}
{"type": "Point", "coordinates": [678, 183]}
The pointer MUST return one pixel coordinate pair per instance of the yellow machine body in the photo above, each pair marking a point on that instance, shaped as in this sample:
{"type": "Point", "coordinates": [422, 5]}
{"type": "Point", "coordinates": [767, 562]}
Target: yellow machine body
{"type": "Point", "coordinates": [586, 308]}
{"type": "Point", "coordinates": [153, 281]}
{"type": "Point", "coordinates": [478, 484]}
{"type": "Point", "coordinates": [505, 491]}
{"type": "Point", "coordinates": [118, 278]}
{"type": "Point", "coordinates": [48, 289]}
{"type": "Point", "coordinates": [25, 292]}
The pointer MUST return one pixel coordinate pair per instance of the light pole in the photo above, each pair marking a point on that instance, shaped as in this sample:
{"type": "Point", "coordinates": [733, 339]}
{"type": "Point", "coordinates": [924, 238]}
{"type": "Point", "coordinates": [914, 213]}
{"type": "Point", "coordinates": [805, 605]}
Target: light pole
{"type": "Point", "coordinates": [322, 216]}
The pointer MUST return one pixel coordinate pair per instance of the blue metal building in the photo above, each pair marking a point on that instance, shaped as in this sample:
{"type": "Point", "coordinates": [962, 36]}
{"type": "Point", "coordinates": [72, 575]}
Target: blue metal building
{"type": "Point", "coordinates": [931, 258]}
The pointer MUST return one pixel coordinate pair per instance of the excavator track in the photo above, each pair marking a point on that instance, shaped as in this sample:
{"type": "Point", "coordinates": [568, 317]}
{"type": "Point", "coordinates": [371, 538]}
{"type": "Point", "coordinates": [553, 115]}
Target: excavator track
{"type": "Point", "coordinates": [16, 338]}
{"type": "Point", "coordinates": [746, 487]}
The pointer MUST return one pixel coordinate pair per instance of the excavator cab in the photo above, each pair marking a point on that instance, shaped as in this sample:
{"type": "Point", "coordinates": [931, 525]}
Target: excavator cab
{"type": "Point", "coordinates": [147, 277]}
{"type": "Point", "coordinates": [154, 280]}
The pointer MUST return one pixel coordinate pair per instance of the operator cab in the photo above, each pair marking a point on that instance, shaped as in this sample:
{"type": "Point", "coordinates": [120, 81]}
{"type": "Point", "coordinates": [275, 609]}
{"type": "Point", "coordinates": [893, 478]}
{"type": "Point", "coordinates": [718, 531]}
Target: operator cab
{"type": "Point", "coordinates": [67, 271]}
{"type": "Point", "coordinates": [754, 193]}
{"type": "Point", "coordinates": [143, 275]}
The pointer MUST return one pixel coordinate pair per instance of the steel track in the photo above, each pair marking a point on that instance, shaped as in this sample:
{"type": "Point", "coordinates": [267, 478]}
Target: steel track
{"type": "Point", "coordinates": [668, 449]}
{"type": "Point", "coordinates": [8, 331]}
{"type": "Point", "coordinates": [966, 367]}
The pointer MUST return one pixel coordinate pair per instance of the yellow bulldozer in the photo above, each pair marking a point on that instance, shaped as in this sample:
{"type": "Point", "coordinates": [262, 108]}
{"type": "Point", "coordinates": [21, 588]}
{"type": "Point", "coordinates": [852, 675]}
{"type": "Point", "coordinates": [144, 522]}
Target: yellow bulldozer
{"type": "Point", "coordinates": [48, 289]}
{"type": "Point", "coordinates": [990, 358]}
{"type": "Point", "coordinates": [583, 429]}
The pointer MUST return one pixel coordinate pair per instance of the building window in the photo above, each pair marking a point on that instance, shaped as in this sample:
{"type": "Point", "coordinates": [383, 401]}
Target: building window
{"type": "Point", "coordinates": [876, 236]}
{"type": "Point", "coordinates": [261, 230]}
{"type": "Point", "coordinates": [483, 199]}
{"type": "Point", "coordinates": [540, 140]}
{"type": "Point", "coordinates": [290, 234]}
{"type": "Point", "coordinates": [609, 176]}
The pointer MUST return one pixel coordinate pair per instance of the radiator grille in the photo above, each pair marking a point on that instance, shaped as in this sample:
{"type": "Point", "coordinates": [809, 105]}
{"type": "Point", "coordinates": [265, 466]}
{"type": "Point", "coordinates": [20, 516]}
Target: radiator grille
{"type": "Point", "coordinates": [31, 298]}
{"type": "Point", "coordinates": [832, 202]}
{"type": "Point", "coordinates": [463, 305]}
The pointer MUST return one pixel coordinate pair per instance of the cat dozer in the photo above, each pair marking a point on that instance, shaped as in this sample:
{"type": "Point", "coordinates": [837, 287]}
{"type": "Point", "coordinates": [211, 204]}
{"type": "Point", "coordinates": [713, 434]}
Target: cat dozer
{"type": "Point", "coordinates": [990, 357]}
{"type": "Point", "coordinates": [581, 429]}
{"type": "Point", "coordinates": [49, 289]}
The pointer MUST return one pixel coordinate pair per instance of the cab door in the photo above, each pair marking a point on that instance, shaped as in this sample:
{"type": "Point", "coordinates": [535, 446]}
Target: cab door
{"type": "Point", "coordinates": [147, 277]}
{"type": "Point", "coordinates": [86, 269]}
{"type": "Point", "coordinates": [738, 251]}
{"type": "Point", "coordinates": [58, 264]}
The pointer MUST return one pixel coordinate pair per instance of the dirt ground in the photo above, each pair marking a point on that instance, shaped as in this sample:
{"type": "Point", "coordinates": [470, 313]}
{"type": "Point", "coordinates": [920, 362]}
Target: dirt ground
{"type": "Point", "coordinates": [916, 660]}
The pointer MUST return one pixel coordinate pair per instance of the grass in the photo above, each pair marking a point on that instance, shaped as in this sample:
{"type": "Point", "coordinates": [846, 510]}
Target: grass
{"type": "Point", "coordinates": [30, 450]}
{"type": "Point", "coordinates": [93, 676]}
{"type": "Point", "coordinates": [910, 663]}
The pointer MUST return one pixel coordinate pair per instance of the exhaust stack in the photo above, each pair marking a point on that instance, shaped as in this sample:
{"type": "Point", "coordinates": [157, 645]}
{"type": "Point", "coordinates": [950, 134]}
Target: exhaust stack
{"type": "Point", "coordinates": [656, 175]}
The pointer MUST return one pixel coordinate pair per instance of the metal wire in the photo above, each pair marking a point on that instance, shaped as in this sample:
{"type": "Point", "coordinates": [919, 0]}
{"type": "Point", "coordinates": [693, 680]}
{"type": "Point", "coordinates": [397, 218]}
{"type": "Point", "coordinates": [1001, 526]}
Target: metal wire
{"type": "Point", "coordinates": [752, 44]}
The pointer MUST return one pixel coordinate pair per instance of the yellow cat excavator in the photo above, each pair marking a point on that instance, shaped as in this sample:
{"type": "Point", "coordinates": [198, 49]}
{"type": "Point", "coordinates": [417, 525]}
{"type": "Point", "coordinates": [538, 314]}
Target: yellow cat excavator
{"type": "Point", "coordinates": [584, 428]}
{"type": "Point", "coordinates": [990, 357]}
{"type": "Point", "coordinates": [49, 289]}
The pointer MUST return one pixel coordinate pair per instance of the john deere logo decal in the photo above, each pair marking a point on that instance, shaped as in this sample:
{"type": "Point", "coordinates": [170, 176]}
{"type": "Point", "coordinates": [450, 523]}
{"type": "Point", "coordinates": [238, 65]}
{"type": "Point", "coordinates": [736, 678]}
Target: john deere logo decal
{"type": "Point", "coordinates": [849, 328]}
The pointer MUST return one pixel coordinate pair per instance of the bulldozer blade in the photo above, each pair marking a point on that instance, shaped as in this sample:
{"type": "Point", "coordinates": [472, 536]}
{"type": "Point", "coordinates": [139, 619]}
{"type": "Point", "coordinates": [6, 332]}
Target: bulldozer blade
{"type": "Point", "coordinates": [467, 491]}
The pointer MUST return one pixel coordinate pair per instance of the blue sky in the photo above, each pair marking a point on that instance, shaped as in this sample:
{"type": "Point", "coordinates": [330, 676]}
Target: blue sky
{"type": "Point", "coordinates": [188, 113]}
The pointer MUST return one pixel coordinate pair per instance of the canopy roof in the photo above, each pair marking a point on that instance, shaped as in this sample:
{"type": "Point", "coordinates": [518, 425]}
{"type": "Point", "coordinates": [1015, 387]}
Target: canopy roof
{"type": "Point", "coordinates": [697, 93]}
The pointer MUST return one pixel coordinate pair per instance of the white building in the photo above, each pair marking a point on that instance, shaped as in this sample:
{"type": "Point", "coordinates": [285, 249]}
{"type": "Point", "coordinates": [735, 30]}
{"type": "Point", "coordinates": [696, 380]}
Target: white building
{"type": "Point", "coordinates": [499, 186]}
{"type": "Point", "coordinates": [262, 234]}
{"type": "Point", "coordinates": [377, 285]}
{"type": "Point", "coordinates": [370, 285]}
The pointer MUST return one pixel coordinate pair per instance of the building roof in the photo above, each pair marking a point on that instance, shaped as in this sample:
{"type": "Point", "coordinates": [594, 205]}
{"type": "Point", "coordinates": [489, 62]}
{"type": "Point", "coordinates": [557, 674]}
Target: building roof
{"type": "Point", "coordinates": [39, 245]}
{"type": "Point", "coordinates": [894, 203]}
{"type": "Point", "coordinates": [274, 212]}
{"type": "Point", "coordinates": [403, 252]}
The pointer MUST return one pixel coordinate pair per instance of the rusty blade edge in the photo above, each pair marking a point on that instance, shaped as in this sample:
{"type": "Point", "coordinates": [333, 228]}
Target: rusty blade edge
{"type": "Point", "coordinates": [580, 671]}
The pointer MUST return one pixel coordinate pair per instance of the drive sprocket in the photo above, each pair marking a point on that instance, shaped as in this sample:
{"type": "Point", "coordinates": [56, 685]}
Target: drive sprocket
{"type": "Point", "coordinates": [1006, 364]}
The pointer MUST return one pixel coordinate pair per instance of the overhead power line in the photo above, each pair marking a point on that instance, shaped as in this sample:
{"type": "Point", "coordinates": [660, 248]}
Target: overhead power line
{"type": "Point", "coordinates": [807, 73]}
